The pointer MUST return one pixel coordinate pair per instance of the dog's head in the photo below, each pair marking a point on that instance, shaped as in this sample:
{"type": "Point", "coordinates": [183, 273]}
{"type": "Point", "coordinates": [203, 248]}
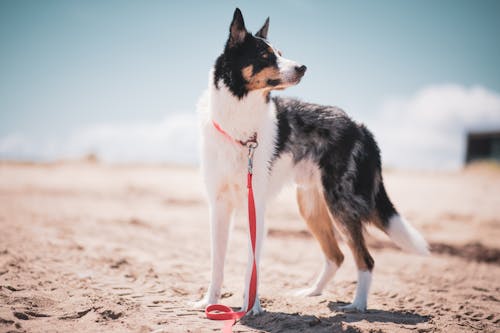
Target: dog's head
{"type": "Point", "coordinates": [250, 62]}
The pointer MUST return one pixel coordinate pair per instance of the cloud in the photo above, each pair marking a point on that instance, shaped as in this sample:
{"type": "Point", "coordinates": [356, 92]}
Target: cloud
{"type": "Point", "coordinates": [174, 139]}
{"type": "Point", "coordinates": [427, 130]}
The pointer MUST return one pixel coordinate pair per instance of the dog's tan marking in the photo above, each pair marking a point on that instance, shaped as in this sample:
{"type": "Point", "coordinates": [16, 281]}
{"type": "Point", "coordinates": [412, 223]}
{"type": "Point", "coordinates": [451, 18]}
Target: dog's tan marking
{"type": "Point", "coordinates": [312, 207]}
{"type": "Point", "coordinates": [247, 72]}
{"type": "Point", "coordinates": [269, 51]}
{"type": "Point", "coordinates": [377, 221]}
{"type": "Point", "coordinates": [259, 80]}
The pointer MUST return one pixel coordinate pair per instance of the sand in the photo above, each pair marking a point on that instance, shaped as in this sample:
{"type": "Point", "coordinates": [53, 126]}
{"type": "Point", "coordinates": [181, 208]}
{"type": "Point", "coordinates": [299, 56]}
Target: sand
{"type": "Point", "coordinates": [89, 247]}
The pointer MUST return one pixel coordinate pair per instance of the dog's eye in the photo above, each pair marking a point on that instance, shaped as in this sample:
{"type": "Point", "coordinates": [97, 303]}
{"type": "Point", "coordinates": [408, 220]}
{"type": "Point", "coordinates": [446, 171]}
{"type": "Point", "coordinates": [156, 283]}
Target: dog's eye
{"type": "Point", "coordinates": [264, 55]}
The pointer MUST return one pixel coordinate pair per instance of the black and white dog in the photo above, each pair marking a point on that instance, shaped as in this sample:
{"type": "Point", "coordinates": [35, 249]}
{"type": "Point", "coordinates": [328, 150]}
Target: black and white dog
{"type": "Point", "coordinates": [334, 161]}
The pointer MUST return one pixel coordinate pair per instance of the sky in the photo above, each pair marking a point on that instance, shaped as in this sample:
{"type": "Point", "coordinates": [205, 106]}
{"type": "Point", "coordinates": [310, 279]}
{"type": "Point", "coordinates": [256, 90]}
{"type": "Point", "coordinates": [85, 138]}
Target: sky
{"type": "Point", "coordinates": [121, 78]}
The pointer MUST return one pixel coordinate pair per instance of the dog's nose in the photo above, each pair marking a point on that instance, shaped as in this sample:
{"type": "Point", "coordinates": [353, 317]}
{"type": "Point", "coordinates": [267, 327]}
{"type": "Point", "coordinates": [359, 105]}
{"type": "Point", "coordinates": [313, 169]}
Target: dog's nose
{"type": "Point", "coordinates": [300, 69]}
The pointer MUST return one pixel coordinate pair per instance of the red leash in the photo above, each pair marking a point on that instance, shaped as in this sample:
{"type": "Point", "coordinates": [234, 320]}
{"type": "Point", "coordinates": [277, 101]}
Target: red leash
{"type": "Point", "coordinates": [219, 311]}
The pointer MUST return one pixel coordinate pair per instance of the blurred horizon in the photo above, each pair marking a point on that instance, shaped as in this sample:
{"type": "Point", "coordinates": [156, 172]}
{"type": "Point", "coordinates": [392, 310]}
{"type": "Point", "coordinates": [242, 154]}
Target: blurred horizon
{"type": "Point", "coordinates": [120, 79]}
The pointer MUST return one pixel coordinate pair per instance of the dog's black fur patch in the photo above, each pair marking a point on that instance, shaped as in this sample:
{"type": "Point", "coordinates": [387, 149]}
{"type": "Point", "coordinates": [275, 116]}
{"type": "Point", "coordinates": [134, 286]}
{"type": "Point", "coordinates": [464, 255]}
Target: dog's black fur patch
{"type": "Point", "coordinates": [348, 158]}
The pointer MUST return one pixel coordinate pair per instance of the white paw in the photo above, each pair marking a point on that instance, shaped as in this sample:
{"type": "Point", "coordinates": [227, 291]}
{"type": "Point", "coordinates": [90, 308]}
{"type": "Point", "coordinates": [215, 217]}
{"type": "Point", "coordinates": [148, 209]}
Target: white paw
{"type": "Point", "coordinates": [354, 307]}
{"type": "Point", "coordinates": [201, 304]}
{"type": "Point", "coordinates": [256, 309]}
{"type": "Point", "coordinates": [307, 292]}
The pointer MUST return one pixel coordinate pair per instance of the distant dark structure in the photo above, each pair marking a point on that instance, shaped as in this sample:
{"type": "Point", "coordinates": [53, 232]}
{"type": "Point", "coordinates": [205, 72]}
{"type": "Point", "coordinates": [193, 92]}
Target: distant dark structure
{"type": "Point", "coordinates": [483, 146]}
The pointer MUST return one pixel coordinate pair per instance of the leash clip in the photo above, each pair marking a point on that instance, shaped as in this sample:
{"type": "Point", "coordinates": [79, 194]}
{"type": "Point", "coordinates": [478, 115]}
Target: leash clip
{"type": "Point", "coordinates": [251, 145]}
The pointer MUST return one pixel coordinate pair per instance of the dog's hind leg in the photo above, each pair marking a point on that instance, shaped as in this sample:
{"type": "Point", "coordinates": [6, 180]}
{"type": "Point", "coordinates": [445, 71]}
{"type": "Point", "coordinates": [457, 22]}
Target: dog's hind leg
{"type": "Point", "coordinates": [350, 209]}
{"type": "Point", "coordinates": [364, 262]}
{"type": "Point", "coordinates": [313, 209]}
{"type": "Point", "coordinates": [348, 212]}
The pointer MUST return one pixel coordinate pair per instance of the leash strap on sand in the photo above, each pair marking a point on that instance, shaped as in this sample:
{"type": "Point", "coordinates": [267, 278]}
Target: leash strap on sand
{"type": "Point", "coordinates": [223, 312]}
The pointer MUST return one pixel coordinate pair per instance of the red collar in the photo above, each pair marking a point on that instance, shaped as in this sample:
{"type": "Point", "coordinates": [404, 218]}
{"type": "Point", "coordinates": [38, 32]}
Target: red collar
{"type": "Point", "coordinates": [252, 139]}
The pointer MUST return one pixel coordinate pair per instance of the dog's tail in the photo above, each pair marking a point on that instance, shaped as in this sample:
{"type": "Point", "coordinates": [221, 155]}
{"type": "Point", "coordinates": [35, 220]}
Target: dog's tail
{"type": "Point", "coordinates": [399, 230]}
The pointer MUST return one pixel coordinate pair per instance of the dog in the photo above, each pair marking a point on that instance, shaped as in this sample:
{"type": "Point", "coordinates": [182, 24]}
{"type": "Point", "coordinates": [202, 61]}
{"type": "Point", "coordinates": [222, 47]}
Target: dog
{"type": "Point", "coordinates": [334, 162]}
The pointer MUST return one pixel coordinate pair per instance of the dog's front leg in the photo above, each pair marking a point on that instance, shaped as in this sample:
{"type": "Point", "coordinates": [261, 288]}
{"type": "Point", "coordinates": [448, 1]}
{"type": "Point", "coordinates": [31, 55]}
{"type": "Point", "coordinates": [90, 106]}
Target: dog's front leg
{"type": "Point", "coordinates": [259, 213]}
{"type": "Point", "coordinates": [220, 218]}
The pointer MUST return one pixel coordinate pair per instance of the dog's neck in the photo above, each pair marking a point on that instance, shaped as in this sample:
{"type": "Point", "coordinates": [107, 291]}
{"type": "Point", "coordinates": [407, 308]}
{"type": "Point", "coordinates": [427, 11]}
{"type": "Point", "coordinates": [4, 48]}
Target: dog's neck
{"type": "Point", "coordinates": [239, 117]}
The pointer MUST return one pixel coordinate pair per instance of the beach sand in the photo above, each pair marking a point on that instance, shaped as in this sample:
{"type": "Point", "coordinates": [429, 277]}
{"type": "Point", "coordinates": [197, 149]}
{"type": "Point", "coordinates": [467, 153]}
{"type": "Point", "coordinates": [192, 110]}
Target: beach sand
{"type": "Point", "coordinates": [90, 247]}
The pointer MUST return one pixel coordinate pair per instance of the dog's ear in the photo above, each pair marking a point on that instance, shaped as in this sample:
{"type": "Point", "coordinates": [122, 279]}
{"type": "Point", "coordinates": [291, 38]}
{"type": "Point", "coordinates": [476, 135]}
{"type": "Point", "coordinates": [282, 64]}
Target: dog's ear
{"type": "Point", "coordinates": [237, 31]}
{"type": "Point", "coordinates": [262, 33]}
